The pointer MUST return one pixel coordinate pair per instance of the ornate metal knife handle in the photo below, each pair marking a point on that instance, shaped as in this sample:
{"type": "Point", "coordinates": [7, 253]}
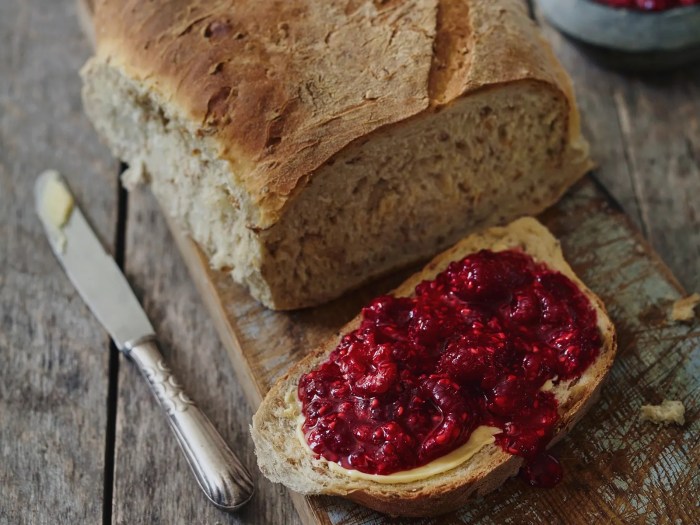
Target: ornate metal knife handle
{"type": "Point", "coordinates": [223, 478]}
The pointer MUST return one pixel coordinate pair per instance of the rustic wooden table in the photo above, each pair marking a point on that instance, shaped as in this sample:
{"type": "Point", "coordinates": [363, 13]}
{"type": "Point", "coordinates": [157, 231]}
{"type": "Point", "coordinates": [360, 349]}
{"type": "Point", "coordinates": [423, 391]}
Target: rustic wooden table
{"type": "Point", "coordinates": [80, 438]}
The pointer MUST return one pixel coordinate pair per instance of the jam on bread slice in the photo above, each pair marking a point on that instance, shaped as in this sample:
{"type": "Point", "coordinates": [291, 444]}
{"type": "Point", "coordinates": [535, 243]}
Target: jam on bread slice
{"type": "Point", "coordinates": [442, 390]}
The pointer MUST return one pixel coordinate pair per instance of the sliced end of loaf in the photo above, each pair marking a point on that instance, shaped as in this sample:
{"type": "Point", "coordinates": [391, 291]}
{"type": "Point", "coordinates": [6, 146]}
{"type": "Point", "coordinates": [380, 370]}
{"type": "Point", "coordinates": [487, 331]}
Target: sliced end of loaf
{"type": "Point", "coordinates": [283, 459]}
{"type": "Point", "coordinates": [413, 190]}
{"type": "Point", "coordinates": [398, 196]}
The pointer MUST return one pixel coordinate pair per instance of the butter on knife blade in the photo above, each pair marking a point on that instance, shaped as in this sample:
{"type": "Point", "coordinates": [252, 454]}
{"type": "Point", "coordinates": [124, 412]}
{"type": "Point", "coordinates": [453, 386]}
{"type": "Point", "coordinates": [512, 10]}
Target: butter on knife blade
{"type": "Point", "coordinates": [90, 268]}
{"type": "Point", "coordinates": [55, 205]}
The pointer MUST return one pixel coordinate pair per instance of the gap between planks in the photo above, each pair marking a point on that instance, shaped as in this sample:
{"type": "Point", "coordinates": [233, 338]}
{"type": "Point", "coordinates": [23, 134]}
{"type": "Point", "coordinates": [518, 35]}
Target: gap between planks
{"type": "Point", "coordinates": [113, 381]}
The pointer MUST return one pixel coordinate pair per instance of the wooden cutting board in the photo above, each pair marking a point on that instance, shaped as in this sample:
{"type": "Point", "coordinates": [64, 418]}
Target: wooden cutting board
{"type": "Point", "coordinates": [618, 469]}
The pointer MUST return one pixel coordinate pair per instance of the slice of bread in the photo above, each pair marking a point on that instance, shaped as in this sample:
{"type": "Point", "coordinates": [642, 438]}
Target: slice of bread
{"type": "Point", "coordinates": [282, 457]}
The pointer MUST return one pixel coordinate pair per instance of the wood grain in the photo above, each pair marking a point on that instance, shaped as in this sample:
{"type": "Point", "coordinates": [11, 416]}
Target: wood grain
{"type": "Point", "coordinates": [53, 353]}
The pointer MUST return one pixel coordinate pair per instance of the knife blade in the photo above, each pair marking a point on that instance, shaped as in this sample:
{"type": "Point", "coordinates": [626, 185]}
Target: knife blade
{"type": "Point", "coordinates": [93, 272]}
{"type": "Point", "coordinates": [102, 285]}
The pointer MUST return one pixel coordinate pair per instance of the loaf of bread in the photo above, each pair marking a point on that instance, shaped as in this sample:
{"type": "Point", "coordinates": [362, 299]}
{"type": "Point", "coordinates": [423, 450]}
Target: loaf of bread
{"type": "Point", "coordinates": [308, 146]}
{"type": "Point", "coordinates": [283, 459]}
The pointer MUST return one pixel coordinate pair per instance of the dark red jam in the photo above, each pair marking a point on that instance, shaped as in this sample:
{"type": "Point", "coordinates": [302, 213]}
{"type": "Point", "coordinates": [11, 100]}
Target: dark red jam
{"type": "Point", "coordinates": [649, 5]}
{"type": "Point", "coordinates": [472, 347]}
{"type": "Point", "coordinates": [542, 471]}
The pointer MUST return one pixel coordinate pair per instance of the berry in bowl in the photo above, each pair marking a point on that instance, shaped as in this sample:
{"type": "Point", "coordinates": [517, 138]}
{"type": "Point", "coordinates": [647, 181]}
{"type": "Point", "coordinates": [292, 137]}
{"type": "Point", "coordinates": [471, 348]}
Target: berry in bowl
{"type": "Point", "coordinates": [648, 5]}
{"type": "Point", "coordinates": [632, 35]}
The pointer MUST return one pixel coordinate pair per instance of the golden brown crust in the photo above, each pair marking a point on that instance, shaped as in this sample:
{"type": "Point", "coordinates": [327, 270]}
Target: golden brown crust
{"type": "Point", "coordinates": [282, 86]}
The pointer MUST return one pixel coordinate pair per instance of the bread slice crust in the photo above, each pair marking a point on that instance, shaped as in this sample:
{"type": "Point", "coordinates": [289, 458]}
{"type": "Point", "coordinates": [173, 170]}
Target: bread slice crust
{"type": "Point", "coordinates": [282, 458]}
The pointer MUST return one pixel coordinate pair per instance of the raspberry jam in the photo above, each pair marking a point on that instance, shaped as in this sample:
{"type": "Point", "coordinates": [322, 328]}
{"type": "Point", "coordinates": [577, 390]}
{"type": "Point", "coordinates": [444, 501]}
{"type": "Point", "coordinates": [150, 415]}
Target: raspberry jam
{"type": "Point", "coordinates": [649, 5]}
{"type": "Point", "coordinates": [472, 347]}
{"type": "Point", "coordinates": [543, 471]}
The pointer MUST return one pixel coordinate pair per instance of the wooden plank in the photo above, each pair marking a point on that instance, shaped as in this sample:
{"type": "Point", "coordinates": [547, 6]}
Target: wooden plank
{"type": "Point", "coordinates": [661, 128]}
{"type": "Point", "coordinates": [153, 483]}
{"type": "Point", "coordinates": [618, 469]}
{"type": "Point", "coordinates": [645, 135]}
{"type": "Point", "coordinates": [53, 353]}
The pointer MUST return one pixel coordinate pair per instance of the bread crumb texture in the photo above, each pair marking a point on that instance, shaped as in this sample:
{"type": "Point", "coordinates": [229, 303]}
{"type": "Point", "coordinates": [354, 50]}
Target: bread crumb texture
{"type": "Point", "coordinates": [684, 309]}
{"type": "Point", "coordinates": [667, 412]}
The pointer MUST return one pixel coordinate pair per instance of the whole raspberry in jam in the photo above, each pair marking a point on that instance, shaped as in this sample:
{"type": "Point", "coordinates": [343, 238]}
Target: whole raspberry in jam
{"type": "Point", "coordinates": [472, 347]}
{"type": "Point", "coordinates": [649, 5]}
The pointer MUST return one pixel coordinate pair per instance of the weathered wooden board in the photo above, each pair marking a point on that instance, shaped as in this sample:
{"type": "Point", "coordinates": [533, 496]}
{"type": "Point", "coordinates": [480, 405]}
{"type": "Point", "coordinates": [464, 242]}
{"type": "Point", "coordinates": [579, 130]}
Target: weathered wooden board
{"type": "Point", "coordinates": [53, 353]}
{"type": "Point", "coordinates": [618, 469]}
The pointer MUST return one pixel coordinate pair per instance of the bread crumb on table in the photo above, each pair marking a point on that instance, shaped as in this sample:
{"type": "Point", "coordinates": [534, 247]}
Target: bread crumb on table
{"type": "Point", "coordinates": [667, 412]}
{"type": "Point", "coordinates": [684, 309]}
{"type": "Point", "coordinates": [134, 176]}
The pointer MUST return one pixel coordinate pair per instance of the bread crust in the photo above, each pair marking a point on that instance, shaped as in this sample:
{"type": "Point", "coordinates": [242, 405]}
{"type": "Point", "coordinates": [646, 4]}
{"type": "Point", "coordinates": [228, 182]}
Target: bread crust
{"type": "Point", "coordinates": [490, 467]}
{"type": "Point", "coordinates": [282, 87]}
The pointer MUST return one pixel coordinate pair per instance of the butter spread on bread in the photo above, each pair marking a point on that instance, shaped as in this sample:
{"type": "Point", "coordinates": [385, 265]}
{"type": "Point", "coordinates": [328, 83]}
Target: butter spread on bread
{"type": "Point", "coordinates": [480, 437]}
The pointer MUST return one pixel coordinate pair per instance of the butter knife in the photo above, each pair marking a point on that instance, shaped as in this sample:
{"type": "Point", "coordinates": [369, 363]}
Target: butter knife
{"type": "Point", "coordinates": [101, 284]}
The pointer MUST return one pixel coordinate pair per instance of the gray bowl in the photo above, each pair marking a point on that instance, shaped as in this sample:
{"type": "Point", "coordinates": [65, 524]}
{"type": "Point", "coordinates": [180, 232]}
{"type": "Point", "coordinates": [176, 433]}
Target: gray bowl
{"type": "Point", "coordinates": [626, 38]}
